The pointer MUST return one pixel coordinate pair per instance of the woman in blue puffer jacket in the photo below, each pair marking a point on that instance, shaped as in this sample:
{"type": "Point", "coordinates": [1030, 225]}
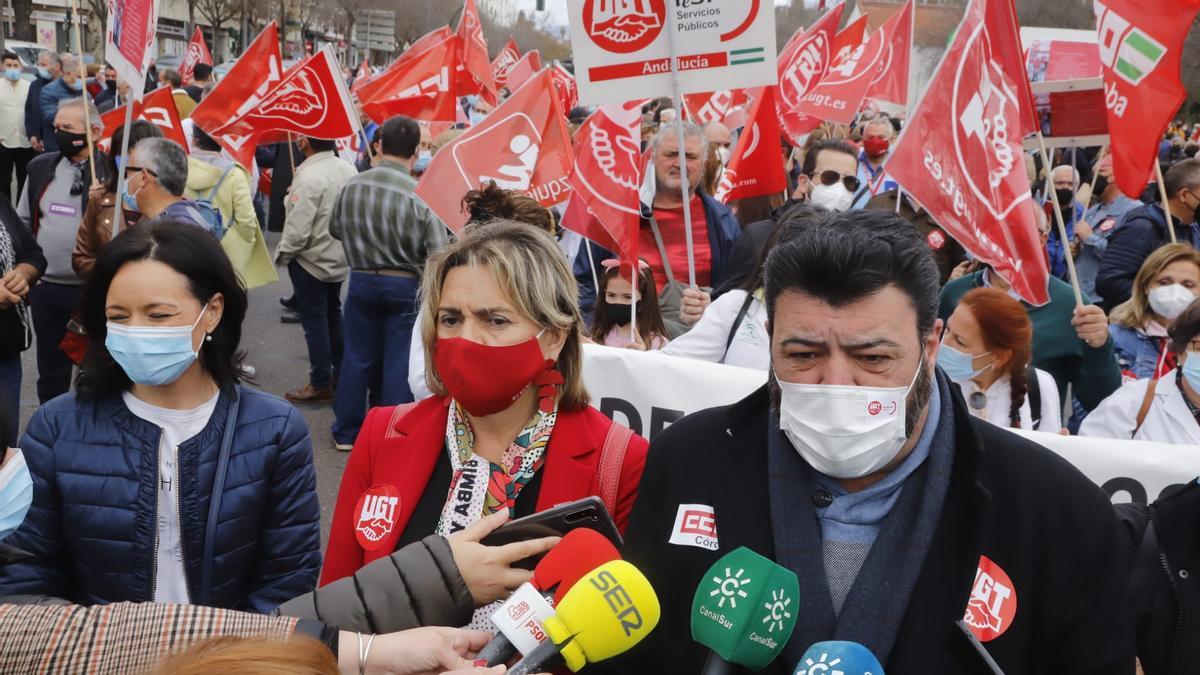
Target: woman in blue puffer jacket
{"type": "Point", "coordinates": [161, 478]}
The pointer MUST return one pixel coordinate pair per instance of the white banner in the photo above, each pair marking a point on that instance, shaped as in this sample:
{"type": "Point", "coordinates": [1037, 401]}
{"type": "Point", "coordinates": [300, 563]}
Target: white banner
{"type": "Point", "coordinates": [647, 391]}
{"type": "Point", "coordinates": [623, 48]}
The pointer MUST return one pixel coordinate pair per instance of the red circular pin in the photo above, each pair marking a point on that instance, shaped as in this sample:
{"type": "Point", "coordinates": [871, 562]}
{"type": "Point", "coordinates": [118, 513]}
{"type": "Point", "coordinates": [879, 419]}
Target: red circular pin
{"type": "Point", "coordinates": [375, 515]}
{"type": "Point", "coordinates": [993, 603]}
{"type": "Point", "coordinates": [935, 239]}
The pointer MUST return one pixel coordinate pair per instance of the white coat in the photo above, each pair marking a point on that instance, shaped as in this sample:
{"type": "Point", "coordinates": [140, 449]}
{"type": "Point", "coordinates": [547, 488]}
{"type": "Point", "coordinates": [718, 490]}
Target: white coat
{"type": "Point", "coordinates": [1169, 420]}
{"type": "Point", "coordinates": [751, 346]}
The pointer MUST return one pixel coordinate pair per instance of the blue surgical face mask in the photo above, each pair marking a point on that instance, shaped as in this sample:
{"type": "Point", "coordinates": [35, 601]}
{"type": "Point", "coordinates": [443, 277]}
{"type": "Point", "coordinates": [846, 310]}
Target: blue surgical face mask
{"type": "Point", "coordinates": [43, 73]}
{"type": "Point", "coordinates": [152, 355]}
{"type": "Point", "coordinates": [78, 86]}
{"type": "Point", "coordinates": [129, 199]}
{"type": "Point", "coordinates": [16, 494]}
{"type": "Point", "coordinates": [957, 365]}
{"type": "Point", "coordinates": [423, 159]}
{"type": "Point", "coordinates": [477, 117]}
{"type": "Point", "coordinates": [1191, 370]}
{"type": "Point", "coordinates": [13, 74]}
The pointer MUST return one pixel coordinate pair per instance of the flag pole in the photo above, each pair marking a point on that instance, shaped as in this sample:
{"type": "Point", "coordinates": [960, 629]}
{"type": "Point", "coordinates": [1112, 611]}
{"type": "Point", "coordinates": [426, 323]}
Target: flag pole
{"type": "Point", "coordinates": [1058, 219]}
{"type": "Point", "coordinates": [87, 117]}
{"type": "Point", "coordinates": [1095, 173]}
{"type": "Point", "coordinates": [120, 215]}
{"type": "Point", "coordinates": [291, 156]}
{"type": "Point", "coordinates": [684, 186]}
{"type": "Point", "coordinates": [1162, 193]}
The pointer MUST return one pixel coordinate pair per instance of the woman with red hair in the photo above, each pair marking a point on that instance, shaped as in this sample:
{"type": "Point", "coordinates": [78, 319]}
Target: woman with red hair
{"type": "Point", "coordinates": [986, 350]}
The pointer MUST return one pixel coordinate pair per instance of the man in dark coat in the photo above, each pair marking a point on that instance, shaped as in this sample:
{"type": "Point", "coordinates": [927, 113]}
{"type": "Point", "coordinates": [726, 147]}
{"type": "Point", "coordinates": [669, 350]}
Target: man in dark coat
{"type": "Point", "coordinates": [859, 468]}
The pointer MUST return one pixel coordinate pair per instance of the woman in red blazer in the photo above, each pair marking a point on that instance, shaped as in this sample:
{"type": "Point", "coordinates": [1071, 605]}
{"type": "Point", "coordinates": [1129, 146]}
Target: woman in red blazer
{"type": "Point", "coordinates": [509, 426]}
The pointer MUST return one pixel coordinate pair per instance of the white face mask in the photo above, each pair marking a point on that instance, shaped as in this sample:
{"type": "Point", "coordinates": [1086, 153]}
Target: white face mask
{"type": "Point", "coordinates": [723, 155]}
{"type": "Point", "coordinates": [832, 197]}
{"type": "Point", "coordinates": [1170, 301]}
{"type": "Point", "coordinates": [845, 431]}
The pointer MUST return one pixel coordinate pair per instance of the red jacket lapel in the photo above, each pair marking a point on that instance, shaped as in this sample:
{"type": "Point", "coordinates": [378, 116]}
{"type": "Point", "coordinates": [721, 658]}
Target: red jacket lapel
{"type": "Point", "coordinates": [571, 457]}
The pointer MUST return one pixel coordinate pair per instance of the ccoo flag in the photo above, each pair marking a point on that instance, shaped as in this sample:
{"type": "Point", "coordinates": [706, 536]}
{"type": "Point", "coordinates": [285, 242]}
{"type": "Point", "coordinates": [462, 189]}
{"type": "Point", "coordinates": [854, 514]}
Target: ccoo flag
{"type": "Point", "coordinates": [961, 157]}
{"type": "Point", "coordinates": [1141, 45]}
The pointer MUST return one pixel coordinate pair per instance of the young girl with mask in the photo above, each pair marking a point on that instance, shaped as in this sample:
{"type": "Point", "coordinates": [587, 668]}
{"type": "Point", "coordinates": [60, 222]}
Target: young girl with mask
{"type": "Point", "coordinates": [986, 350]}
{"type": "Point", "coordinates": [614, 309]}
{"type": "Point", "coordinates": [1164, 286]}
{"type": "Point", "coordinates": [508, 428]}
{"type": "Point", "coordinates": [161, 478]}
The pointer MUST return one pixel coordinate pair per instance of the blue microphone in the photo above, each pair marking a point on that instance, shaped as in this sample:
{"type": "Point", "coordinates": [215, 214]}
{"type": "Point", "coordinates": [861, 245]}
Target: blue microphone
{"type": "Point", "coordinates": [838, 657]}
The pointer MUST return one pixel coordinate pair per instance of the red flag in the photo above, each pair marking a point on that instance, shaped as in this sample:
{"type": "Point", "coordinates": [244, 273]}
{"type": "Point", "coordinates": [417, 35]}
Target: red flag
{"type": "Point", "coordinates": [957, 158]}
{"type": "Point", "coordinates": [197, 52]}
{"type": "Point", "coordinates": [891, 73]}
{"type": "Point", "coordinates": [605, 179]}
{"type": "Point", "coordinates": [424, 43]}
{"type": "Point", "coordinates": [311, 101]}
{"type": "Point", "coordinates": [1140, 48]}
{"type": "Point", "coordinates": [256, 71]}
{"type": "Point", "coordinates": [421, 87]}
{"type": "Point", "coordinates": [1002, 26]}
{"type": "Point", "coordinates": [524, 69]}
{"type": "Point", "coordinates": [564, 86]}
{"type": "Point", "coordinates": [504, 62]}
{"type": "Point", "coordinates": [364, 71]}
{"type": "Point", "coordinates": [840, 92]}
{"type": "Point", "coordinates": [522, 145]}
{"type": "Point", "coordinates": [475, 59]}
{"type": "Point", "coordinates": [756, 167]}
{"type": "Point", "coordinates": [712, 106]}
{"type": "Point", "coordinates": [157, 107]}
{"type": "Point", "coordinates": [801, 66]}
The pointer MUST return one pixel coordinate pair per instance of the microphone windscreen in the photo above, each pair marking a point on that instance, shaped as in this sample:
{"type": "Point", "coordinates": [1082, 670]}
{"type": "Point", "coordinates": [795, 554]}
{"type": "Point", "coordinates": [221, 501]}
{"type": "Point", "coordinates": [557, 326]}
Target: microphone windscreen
{"type": "Point", "coordinates": [580, 551]}
{"type": "Point", "coordinates": [850, 658]}
{"type": "Point", "coordinates": [608, 612]}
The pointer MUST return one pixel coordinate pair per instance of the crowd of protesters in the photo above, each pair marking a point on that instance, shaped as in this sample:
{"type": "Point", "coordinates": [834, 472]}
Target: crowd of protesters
{"type": "Point", "coordinates": [155, 475]}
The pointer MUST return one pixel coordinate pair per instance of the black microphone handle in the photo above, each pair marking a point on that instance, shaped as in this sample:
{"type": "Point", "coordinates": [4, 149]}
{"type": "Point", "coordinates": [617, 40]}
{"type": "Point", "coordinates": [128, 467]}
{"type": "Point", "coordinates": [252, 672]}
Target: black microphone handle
{"type": "Point", "coordinates": [545, 658]}
{"type": "Point", "coordinates": [498, 650]}
{"type": "Point", "coordinates": [715, 665]}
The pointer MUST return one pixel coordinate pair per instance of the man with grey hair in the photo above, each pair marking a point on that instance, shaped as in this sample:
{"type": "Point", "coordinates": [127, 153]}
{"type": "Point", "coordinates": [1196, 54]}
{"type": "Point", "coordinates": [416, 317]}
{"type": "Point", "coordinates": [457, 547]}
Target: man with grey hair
{"type": "Point", "coordinates": [1065, 181]}
{"type": "Point", "coordinates": [69, 85]}
{"type": "Point", "coordinates": [52, 206]}
{"type": "Point", "coordinates": [157, 174]}
{"type": "Point", "coordinates": [49, 67]}
{"type": "Point", "coordinates": [663, 239]}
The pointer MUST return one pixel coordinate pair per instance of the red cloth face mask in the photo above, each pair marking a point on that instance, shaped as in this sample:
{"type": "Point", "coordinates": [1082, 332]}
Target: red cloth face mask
{"type": "Point", "coordinates": [875, 146]}
{"type": "Point", "coordinates": [486, 379]}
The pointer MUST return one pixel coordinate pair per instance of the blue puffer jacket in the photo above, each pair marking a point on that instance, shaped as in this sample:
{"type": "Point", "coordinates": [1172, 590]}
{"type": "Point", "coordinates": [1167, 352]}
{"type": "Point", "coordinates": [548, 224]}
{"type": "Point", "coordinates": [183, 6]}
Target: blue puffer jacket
{"type": "Point", "coordinates": [91, 528]}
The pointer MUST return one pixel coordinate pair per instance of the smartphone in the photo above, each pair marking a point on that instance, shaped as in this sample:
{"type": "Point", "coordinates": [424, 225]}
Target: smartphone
{"type": "Point", "coordinates": [556, 521]}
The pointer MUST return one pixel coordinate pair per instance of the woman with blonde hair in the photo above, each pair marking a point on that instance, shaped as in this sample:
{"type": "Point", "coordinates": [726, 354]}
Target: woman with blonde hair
{"type": "Point", "coordinates": [1164, 286]}
{"type": "Point", "coordinates": [509, 427]}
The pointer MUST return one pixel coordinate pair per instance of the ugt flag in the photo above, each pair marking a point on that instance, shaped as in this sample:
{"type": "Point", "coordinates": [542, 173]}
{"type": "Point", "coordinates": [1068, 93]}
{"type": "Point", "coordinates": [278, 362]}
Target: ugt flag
{"type": "Point", "coordinates": [756, 167]}
{"type": "Point", "coordinates": [839, 94]}
{"type": "Point", "coordinates": [523, 145]}
{"type": "Point", "coordinates": [475, 61]}
{"type": "Point", "coordinates": [197, 52]}
{"type": "Point", "coordinates": [801, 65]}
{"type": "Point", "coordinates": [1141, 44]}
{"type": "Point", "coordinates": [605, 179]}
{"type": "Point", "coordinates": [961, 157]}
{"type": "Point", "coordinates": [890, 81]}
{"type": "Point", "coordinates": [256, 71]}
{"type": "Point", "coordinates": [158, 108]}
{"type": "Point", "coordinates": [504, 61]}
{"type": "Point", "coordinates": [420, 86]}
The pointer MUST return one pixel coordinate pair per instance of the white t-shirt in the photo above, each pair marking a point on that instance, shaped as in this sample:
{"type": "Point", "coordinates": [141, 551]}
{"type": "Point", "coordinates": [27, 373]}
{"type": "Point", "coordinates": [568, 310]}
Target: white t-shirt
{"type": "Point", "coordinates": [999, 401]}
{"type": "Point", "coordinates": [170, 583]}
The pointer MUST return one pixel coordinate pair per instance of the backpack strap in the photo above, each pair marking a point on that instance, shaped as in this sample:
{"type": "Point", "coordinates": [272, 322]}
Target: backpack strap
{"type": "Point", "coordinates": [1144, 410]}
{"type": "Point", "coordinates": [1035, 396]}
{"type": "Point", "coordinates": [736, 323]}
{"type": "Point", "coordinates": [612, 458]}
{"type": "Point", "coordinates": [662, 249]}
{"type": "Point", "coordinates": [212, 194]}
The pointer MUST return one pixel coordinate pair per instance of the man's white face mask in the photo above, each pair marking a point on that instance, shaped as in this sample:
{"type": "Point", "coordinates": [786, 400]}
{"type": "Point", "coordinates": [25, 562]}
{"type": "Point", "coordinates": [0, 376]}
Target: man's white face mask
{"type": "Point", "coordinates": [831, 197]}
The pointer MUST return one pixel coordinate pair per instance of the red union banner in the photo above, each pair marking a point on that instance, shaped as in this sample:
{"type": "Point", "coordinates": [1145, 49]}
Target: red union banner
{"type": "Point", "coordinates": [504, 61]}
{"type": "Point", "coordinates": [522, 145]}
{"type": "Point", "coordinates": [474, 56]}
{"type": "Point", "coordinates": [756, 167]}
{"type": "Point", "coordinates": [840, 93]}
{"type": "Point", "coordinates": [158, 107]}
{"type": "Point", "coordinates": [891, 72]}
{"type": "Point", "coordinates": [961, 158]}
{"type": "Point", "coordinates": [801, 66]}
{"type": "Point", "coordinates": [256, 71]}
{"type": "Point", "coordinates": [197, 52]}
{"type": "Point", "coordinates": [128, 37]}
{"type": "Point", "coordinates": [605, 179]}
{"type": "Point", "coordinates": [1141, 46]}
{"type": "Point", "coordinates": [421, 87]}
{"type": "Point", "coordinates": [524, 69]}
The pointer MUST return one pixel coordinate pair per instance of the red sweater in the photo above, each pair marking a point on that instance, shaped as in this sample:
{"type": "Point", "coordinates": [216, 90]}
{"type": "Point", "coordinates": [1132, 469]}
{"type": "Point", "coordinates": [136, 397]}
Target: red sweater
{"type": "Point", "coordinates": [401, 448]}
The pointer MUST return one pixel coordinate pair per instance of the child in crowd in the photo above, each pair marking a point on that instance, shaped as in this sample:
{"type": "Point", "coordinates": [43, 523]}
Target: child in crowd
{"type": "Point", "coordinates": [610, 325]}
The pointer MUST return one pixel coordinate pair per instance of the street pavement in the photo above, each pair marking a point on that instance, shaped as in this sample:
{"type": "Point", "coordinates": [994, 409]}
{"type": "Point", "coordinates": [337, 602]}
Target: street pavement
{"type": "Point", "coordinates": [278, 353]}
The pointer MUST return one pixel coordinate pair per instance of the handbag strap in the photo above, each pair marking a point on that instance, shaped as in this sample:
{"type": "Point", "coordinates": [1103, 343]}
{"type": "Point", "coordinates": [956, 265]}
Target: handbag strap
{"type": "Point", "coordinates": [741, 315]}
{"type": "Point", "coordinates": [662, 250]}
{"type": "Point", "coordinates": [612, 458]}
{"type": "Point", "coordinates": [1144, 410]}
{"type": "Point", "coordinates": [214, 504]}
